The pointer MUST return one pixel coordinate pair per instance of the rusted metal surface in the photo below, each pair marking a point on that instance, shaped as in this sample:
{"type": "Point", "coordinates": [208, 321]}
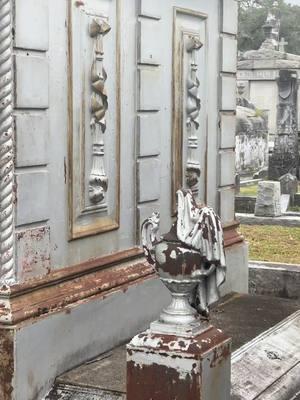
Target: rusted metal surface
{"type": "Point", "coordinates": [62, 290]}
{"type": "Point", "coordinates": [179, 261]}
{"type": "Point", "coordinates": [165, 367]}
{"type": "Point", "coordinates": [160, 383]}
{"type": "Point", "coordinates": [190, 259]}
{"type": "Point", "coordinates": [6, 363]}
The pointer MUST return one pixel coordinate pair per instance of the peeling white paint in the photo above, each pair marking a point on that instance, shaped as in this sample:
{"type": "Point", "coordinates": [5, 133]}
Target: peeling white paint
{"type": "Point", "coordinates": [7, 316]}
{"type": "Point", "coordinates": [184, 366]}
{"type": "Point", "coordinates": [146, 341]}
{"type": "Point", "coordinates": [181, 344]}
{"type": "Point", "coordinates": [173, 254]}
{"type": "Point", "coordinates": [160, 255]}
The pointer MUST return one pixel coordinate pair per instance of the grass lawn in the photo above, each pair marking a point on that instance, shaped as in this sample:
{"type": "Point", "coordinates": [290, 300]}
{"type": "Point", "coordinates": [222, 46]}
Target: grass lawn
{"type": "Point", "coordinates": [250, 190]}
{"type": "Point", "coordinates": [273, 243]}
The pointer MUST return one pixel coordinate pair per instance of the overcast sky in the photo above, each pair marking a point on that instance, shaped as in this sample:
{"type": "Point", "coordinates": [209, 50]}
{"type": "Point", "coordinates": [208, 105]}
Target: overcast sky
{"type": "Point", "coordinates": [297, 2]}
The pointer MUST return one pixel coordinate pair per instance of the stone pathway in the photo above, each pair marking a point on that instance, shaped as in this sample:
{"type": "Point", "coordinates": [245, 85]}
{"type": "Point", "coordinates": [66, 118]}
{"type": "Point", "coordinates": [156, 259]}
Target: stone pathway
{"type": "Point", "coordinates": [243, 317]}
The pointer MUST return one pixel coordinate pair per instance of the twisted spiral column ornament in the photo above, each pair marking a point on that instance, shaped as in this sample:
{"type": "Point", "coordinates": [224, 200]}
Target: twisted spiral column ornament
{"type": "Point", "coordinates": [193, 169]}
{"type": "Point", "coordinates": [98, 181]}
{"type": "Point", "coordinates": [6, 145]}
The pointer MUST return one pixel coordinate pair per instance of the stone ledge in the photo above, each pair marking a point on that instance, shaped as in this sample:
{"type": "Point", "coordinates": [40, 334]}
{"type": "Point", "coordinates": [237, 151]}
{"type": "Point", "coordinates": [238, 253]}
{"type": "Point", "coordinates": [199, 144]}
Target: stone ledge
{"type": "Point", "coordinates": [284, 220]}
{"type": "Point", "coordinates": [268, 367]}
{"type": "Point", "coordinates": [274, 279]}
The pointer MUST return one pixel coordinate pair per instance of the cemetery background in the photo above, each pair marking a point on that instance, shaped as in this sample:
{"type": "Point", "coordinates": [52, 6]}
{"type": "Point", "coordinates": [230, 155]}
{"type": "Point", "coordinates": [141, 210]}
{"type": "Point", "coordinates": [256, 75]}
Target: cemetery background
{"type": "Point", "coordinates": [263, 76]}
{"type": "Point", "coordinates": [109, 128]}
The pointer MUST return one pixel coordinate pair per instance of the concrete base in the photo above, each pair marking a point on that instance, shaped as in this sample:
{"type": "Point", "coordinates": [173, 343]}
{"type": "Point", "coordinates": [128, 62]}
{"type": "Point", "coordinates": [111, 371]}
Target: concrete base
{"type": "Point", "coordinates": [274, 279]}
{"type": "Point", "coordinates": [52, 345]}
{"type": "Point", "coordinates": [165, 367]}
{"type": "Point", "coordinates": [284, 220]}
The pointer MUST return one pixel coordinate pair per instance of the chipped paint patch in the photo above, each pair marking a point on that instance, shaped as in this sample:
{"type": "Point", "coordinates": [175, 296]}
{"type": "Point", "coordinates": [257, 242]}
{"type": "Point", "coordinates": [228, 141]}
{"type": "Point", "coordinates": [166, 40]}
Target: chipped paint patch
{"type": "Point", "coordinates": [184, 366]}
{"type": "Point", "coordinates": [5, 311]}
{"type": "Point", "coordinates": [164, 367]}
{"type": "Point", "coordinates": [33, 252]}
{"type": "Point", "coordinates": [173, 254]}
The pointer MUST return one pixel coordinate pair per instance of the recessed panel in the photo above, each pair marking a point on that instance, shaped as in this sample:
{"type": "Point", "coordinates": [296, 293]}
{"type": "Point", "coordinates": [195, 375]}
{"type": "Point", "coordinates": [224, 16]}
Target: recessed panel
{"type": "Point", "coordinates": [94, 117]}
{"type": "Point", "coordinates": [190, 76]}
{"type": "Point", "coordinates": [33, 14]}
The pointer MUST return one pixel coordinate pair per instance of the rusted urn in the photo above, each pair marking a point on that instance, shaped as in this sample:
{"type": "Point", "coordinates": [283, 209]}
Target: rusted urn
{"type": "Point", "coordinates": [180, 269]}
{"type": "Point", "coordinates": [189, 260]}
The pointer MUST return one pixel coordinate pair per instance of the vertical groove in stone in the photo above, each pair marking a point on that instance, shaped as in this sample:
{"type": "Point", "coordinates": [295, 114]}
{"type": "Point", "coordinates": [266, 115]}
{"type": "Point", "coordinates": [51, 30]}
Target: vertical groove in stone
{"type": "Point", "coordinates": [6, 145]}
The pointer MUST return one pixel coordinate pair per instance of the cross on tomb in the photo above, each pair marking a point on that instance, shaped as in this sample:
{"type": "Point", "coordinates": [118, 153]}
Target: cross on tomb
{"type": "Point", "coordinates": [282, 45]}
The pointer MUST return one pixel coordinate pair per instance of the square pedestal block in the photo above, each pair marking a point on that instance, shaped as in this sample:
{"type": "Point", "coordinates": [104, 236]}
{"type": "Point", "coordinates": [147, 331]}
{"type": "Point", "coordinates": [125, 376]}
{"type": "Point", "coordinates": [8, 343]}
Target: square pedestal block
{"type": "Point", "coordinates": [166, 367]}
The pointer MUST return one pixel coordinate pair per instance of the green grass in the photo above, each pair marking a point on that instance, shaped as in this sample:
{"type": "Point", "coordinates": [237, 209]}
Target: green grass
{"type": "Point", "coordinates": [273, 243]}
{"type": "Point", "coordinates": [250, 190]}
{"type": "Point", "coordinates": [294, 208]}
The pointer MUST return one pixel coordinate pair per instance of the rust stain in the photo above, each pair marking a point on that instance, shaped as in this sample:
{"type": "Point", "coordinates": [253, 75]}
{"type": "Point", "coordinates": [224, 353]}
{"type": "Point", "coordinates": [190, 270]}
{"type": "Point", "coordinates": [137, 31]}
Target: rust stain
{"type": "Point", "coordinates": [208, 340]}
{"type": "Point", "coordinates": [180, 262]}
{"type": "Point", "coordinates": [231, 235]}
{"type": "Point", "coordinates": [79, 3]}
{"type": "Point", "coordinates": [159, 382]}
{"type": "Point", "coordinates": [6, 364]}
{"type": "Point", "coordinates": [156, 381]}
{"type": "Point", "coordinates": [75, 271]}
{"type": "Point", "coordinates": [58, 295]}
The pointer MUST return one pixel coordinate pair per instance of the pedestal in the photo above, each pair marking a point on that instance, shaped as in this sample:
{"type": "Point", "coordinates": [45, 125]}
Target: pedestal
{"type": "Point", "coordinates": [166, 367]}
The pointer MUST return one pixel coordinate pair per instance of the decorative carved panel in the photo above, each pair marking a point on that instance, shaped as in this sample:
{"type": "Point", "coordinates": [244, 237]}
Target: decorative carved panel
{"type": "Point", "coordinates": [94, 115]}
{"type": "Point", "coordinates": [189, 102]}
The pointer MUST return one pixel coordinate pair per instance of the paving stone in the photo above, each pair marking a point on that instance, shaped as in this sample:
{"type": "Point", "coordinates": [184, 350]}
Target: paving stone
{"type": "Point", "coordinates": [69, 392]}
{"type": "Point", "coordinates": [108, 371]}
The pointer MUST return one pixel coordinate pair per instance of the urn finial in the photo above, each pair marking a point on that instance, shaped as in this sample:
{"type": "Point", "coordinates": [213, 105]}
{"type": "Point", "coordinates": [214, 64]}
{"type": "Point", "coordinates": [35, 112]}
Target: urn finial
{"type": "Point", "coordinates": [190, 261]}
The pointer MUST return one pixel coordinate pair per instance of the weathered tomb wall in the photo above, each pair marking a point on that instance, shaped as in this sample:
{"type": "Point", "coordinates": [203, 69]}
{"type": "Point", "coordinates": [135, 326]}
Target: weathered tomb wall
{"type": "Point", "coordinates": [77, 265]}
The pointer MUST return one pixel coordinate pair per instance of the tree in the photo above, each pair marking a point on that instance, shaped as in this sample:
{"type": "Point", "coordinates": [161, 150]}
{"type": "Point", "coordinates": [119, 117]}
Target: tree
{"type": "Point", "coordinates": [252, 16]}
